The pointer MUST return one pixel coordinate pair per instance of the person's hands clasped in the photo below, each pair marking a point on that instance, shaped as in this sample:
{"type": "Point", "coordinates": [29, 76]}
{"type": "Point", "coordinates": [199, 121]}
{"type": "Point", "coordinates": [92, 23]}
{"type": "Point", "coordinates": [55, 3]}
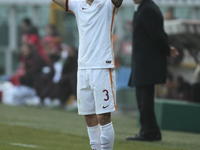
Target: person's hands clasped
{"type": "Point", "coordinates": [174, 52]}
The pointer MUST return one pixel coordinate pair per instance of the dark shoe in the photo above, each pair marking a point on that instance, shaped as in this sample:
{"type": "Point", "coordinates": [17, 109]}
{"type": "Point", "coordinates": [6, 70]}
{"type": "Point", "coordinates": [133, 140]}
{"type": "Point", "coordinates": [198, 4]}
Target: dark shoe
{"type": "Point", "coordinates": [157, 137]}
{"type": "Point", "coordinates": [150, 138]}
{"type": "Point", "coordinates": [139, 137]}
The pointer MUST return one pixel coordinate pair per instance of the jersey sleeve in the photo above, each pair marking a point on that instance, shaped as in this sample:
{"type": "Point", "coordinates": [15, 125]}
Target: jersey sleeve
{"type": "Point", "coordinates": [111, 4]}
{"type": "Point", "coordinates": [71, 6]}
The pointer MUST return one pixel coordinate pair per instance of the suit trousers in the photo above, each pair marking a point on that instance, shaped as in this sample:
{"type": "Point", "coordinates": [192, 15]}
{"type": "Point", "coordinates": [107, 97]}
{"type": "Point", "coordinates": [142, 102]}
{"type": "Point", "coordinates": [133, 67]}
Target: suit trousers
{"type": "Point", "coordinates": [145, 100]}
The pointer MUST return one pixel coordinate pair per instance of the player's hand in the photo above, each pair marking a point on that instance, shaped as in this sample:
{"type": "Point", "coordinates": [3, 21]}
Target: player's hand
{"type": "Point", "coordinates": [174, 52]}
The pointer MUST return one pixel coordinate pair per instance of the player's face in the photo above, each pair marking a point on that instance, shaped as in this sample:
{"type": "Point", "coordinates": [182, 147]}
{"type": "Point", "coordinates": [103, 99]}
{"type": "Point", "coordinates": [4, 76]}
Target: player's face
{"type": "Point", "coordinates": [137, 1]}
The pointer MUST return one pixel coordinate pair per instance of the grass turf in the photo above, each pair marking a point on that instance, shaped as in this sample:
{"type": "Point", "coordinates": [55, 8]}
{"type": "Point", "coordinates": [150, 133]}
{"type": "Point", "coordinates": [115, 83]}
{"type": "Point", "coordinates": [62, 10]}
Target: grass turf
{"type": "Point", "coordinates": [24, 128]}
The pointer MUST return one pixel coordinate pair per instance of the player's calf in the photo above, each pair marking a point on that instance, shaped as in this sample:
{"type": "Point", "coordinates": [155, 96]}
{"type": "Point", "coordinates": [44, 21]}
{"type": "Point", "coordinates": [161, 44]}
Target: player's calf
{"type": "Point", "coordinates": [107, 136]}
{"type": "Point", "coordinates": [94, 131]}
{"type": "Point", "coordinates": [107, 131]}
{"type": "Point", "coordinates": [94, 134]}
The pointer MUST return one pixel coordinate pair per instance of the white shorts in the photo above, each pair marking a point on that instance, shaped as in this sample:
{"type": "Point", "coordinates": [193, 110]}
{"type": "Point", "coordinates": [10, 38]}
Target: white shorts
{"type": "Point", "coordinates": [96, 91]}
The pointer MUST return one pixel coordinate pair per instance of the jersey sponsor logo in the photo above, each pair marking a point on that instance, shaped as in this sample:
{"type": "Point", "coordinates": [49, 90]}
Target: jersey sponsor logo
{"type": "Point", "coordinates": [108, 62]}
{"type": "Point", "coordinates": [104, 107]}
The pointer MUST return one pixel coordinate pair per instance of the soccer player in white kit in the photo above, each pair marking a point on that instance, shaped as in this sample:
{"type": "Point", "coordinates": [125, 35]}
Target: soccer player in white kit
{"type": "Point", "coordinates": [96, 74]}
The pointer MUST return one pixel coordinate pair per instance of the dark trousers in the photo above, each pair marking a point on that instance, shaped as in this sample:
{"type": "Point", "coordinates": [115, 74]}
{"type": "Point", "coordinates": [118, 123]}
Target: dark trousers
{"type": "Point", "coordinates": [145, 100]}
{"type": "Point", "coordinates": [195, 94]}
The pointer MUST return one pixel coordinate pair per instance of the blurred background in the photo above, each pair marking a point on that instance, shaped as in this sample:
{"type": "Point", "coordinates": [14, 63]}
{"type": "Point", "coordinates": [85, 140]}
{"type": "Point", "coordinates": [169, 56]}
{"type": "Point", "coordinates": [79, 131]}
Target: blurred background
{"type": "Point", "coordinates": [38, 53]}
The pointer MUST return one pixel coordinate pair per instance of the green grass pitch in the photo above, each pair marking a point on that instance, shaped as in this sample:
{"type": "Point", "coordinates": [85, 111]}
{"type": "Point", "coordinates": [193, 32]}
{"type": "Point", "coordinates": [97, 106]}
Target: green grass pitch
{"type": "Point", "coordinates": [26, 128]}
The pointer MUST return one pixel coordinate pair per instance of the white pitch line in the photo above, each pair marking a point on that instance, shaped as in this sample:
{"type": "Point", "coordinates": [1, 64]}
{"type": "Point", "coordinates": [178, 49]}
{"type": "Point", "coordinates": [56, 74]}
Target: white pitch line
{"type": "Point", "coordinates": [25, 145]}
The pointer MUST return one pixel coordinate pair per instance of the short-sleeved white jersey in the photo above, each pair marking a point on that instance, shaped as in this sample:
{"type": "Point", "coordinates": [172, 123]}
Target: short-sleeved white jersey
{"type": "Point", "coordinates": [95, 27]}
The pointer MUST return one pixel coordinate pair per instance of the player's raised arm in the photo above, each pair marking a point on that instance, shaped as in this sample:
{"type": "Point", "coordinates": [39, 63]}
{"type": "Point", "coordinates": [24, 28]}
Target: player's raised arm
{"type": "Point", "coordinates": [61, 3]}
{"type": "Point", "coordinates": [117, 3]}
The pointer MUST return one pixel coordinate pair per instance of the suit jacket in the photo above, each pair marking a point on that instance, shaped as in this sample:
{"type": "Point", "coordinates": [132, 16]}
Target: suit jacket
{"type": "Point", "coordinates": [150, 46]}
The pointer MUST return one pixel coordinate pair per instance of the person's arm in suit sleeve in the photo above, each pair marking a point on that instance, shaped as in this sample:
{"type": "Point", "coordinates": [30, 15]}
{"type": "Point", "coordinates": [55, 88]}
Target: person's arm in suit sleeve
{"type": "Point", "coordinates": [151, 23]}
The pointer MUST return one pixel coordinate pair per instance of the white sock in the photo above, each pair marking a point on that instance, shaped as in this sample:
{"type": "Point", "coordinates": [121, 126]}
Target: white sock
{"type": "Point", "coordinates": [94, 135]}
{"type": "Point", "coordinates": [107, 137]}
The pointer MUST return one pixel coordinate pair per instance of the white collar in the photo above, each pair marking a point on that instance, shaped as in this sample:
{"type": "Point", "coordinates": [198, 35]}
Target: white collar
{"type": "Point", "coordinates": [136, 7]}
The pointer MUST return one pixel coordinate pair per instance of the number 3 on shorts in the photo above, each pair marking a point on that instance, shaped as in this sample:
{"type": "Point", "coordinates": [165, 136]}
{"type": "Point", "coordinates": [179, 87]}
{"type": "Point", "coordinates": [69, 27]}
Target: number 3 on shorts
{"type": "Point", "coordinates": [106, 91]}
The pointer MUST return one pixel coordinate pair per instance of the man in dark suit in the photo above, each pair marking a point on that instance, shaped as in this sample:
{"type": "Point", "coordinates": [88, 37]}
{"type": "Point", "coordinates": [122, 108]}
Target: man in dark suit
{"type": "Point", "coordinates": [149, 64]}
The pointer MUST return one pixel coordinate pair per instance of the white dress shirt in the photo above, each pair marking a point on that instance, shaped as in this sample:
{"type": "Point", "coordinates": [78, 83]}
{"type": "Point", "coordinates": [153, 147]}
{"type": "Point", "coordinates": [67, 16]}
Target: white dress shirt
{"type": "Point", "coordinates": [137, 6]}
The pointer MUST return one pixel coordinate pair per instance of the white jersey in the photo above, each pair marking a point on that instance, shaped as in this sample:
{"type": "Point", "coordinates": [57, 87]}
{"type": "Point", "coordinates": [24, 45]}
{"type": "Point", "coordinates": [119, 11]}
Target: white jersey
{"type": "Point", "coordinates": [95, 26]}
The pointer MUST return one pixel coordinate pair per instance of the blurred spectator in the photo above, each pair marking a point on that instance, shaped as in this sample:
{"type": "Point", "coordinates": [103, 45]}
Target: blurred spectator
{"type": "Point", "coordinates": [68, 80]}
{"type": "Point", "coordinates": [50, 69]}
{"type": "Point", "coordinates": [169, 15]}
{"type": "Point", "coordinates": [195, 92]}
{"type": "Point", "coordinates": [52, 42]}
{"type": "Point", "coordinates": [27, 76]}
{"type": "Point", "coordinates": [58, 82]}
{"type": "Point", "coordinates": [30, 36]}
{"type": "Point", "coordinates": [46, 75]}
{"type": "Point", "coordinates": [171, 89]}
{"type": "Point", "coordinates": [63, 83]}
{"type": "Point", "coordinates": [183, 89]}
{"type": "Point", "coordinates": [27, 27]}
{"type": "Point", "coordinates": [51, 32]}
{"type": "Point", "coordinates": [33, 65]}
{"type": "Point", "coordinates": [15, 78]}
{"type": "Point", "coordinates": [52, 38]}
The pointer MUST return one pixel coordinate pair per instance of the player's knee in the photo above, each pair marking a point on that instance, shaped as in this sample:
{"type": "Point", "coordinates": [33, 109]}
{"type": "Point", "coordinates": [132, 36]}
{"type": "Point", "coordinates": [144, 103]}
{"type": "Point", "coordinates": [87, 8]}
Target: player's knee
{"type": "Point", "coordinates": [91, 120]}
{"type": "Point", "coordinates": [104, 118]}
